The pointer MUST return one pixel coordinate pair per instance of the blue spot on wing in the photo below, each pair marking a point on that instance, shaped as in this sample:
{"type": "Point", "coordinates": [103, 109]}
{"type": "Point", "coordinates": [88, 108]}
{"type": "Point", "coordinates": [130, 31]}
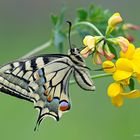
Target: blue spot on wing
{"type": "Point", "coordinates": [40, 72]}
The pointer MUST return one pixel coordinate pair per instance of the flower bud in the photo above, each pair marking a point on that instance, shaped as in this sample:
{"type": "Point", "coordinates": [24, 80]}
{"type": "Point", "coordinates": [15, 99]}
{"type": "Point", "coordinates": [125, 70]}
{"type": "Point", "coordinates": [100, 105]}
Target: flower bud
{"type": "Point", "coordinates": [85, 52]}
{"type": "Point", "coordinates": [99, 47]}
{"type": "Point", "coordinates": [130, 38]}
{"type": "Point", "coordinates": [128, 26]}
{"type": "Point", "coordinates": [114, 20]}
{"type": "Point", "coordinates": [123, 43]}
{"type": "Point", "coordinates": [108, 66]}
{"type": "Point", "coordinates": [109, 55]}
{"type": "Point", "coordinates": [97, 58]}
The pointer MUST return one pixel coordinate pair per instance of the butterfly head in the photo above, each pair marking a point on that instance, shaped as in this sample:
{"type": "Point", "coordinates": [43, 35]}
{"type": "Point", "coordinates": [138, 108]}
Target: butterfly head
{"type": "Point", "coordinates": [75, 55]}
{"type": "Point", "coordinates": [74, 51]}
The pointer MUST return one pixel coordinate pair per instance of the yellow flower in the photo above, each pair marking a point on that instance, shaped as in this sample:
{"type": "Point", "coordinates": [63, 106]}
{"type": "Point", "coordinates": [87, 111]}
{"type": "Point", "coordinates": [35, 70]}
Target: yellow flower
{"type": "Point", "coordinates": [114, 20]}
{"type": "Point", "coordinates": [117, 94]}
{"type": "Point", "coordinates": [133, 55]}
{"type": "Point", "coordinates": [90, 44]}
{"type": "Point", "coordinates": [122, 70]}
{"type": "Point", "coordinates": [129, 53]}
{"type": "Point", "coordinates": [122, 42]}
{"type": "Point", "coordinates": [109, 66]}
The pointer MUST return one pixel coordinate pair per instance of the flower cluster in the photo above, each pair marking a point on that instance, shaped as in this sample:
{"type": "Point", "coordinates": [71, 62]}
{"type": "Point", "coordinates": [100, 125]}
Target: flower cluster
{"type": "Point", "coordinates": [125, 69]}
{"type": "Point", "coordinates": [101, 45]}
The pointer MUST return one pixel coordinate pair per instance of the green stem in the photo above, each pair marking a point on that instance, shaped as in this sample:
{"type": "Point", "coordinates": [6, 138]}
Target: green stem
{"type": "Point", "coordinates": [95, 77]}
{"type": "Point", "coordinates": [90, 25]}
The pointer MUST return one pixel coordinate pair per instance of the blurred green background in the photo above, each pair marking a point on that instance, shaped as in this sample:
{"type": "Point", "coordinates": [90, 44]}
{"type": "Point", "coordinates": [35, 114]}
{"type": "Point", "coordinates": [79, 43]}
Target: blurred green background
{"type": "Point", "coordinates": [25, 25]}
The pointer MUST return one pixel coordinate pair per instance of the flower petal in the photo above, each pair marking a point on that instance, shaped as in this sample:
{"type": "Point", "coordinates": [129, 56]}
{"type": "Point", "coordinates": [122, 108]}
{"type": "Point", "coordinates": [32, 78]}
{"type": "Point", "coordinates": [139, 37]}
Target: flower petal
{"type": "Point", "coordinates": [131, 94]}
{"type": "Point", "coordinates": [117, 101]}
{"type": "Point", "coordinates": [108, 53]}
{"type": "Point", "coordinates": [124, 64]}
{"type": "Point", "coordinates": [109, 66]}
{"type": "Point", "coordinates": [97, 59]}
{"type": "Point", "coordinates": [85, 50]}
{"type": "Point", "coordinates": [87, 38]}
{"type": "Point", "coordinates": [129, 53]}
{"type": "Point", "coordinates": [124, 69]}
{"type": "Point", "coordinates": [123, 43]}
{"type": "Point", "coordinates": [99, 47]}
{"type": "Point", "coordinates": [137, 53]}
{"type": "Point", "coordinates": [114, 20]}
{"type": "Point", "coordinates": [121, 75]}
{"type": "Point", "coordinates": [136, 64]}
{"type": "Point", "coordinates": [114, 89]}
{"type": "Point", "coordinates": [91, 43]}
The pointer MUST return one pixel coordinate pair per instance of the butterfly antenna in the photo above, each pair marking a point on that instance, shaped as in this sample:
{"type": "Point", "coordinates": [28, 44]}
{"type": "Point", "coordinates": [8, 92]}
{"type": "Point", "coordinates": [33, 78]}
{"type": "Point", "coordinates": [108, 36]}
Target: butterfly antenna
{"type": "Point", "coordinates": [70, 24]}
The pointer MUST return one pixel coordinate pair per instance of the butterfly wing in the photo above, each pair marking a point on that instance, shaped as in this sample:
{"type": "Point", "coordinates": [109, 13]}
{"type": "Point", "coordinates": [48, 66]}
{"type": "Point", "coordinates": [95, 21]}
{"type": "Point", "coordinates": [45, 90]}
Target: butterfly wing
{"type": "Point", "coordinates": [15, 76]}
{"type": "Point", "coordinates": [51, 89]}
{"type": "Point", "coordinates": [82, 77]}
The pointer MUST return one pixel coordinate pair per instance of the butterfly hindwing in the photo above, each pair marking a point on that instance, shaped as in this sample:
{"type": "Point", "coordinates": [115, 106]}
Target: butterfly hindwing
{"type": "Point", "coordinates": [51, 84]}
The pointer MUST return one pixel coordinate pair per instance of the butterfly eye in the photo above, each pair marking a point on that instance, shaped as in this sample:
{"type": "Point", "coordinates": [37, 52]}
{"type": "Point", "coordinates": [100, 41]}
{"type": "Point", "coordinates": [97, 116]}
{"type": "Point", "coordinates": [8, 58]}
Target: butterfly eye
{"type": "Point", "coordinates": [72, 50]}
{"type": "Point", "coordinates": [64, 106]}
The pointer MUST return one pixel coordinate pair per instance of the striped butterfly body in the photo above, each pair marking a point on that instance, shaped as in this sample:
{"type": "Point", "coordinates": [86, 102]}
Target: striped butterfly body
{"type": "Point", "coordinates": [44, 80]}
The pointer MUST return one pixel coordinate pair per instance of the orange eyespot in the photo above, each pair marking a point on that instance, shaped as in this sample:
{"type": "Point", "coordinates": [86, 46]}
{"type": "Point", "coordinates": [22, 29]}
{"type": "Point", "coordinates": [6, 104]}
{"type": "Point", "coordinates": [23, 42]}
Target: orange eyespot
{"type": "Point", "coordinates": [64, 106]}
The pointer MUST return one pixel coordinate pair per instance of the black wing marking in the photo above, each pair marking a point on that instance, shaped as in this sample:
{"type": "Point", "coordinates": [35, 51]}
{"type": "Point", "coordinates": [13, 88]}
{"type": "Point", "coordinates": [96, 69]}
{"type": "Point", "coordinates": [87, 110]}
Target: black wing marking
{"type": "Point", "coordinates": [15, 76]}
{"type": "Point", "coordinates": [51, 85]}
{"type": "Point", "coordinates": [83, 79]}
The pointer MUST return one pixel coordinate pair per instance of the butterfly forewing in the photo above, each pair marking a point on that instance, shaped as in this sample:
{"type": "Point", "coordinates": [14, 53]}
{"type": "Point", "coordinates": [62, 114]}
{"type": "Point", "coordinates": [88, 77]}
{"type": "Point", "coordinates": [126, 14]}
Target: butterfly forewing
{"type": "Point", "coordinates": [15, 77]}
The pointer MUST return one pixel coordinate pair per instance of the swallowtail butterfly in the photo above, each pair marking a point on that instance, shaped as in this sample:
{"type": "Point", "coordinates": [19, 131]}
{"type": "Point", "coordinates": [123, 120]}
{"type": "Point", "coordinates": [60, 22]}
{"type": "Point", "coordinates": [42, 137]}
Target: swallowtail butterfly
{"type": "Point", "coordinates": [44, 80]}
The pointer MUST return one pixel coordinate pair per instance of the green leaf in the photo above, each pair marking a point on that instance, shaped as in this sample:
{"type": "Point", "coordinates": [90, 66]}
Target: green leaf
{"type": "Point", "coordinates": [54, 19]}
{"type": "Point", "coordinates": [82, 14]}
{"type": "Point", "coordinates": [132, 84]}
